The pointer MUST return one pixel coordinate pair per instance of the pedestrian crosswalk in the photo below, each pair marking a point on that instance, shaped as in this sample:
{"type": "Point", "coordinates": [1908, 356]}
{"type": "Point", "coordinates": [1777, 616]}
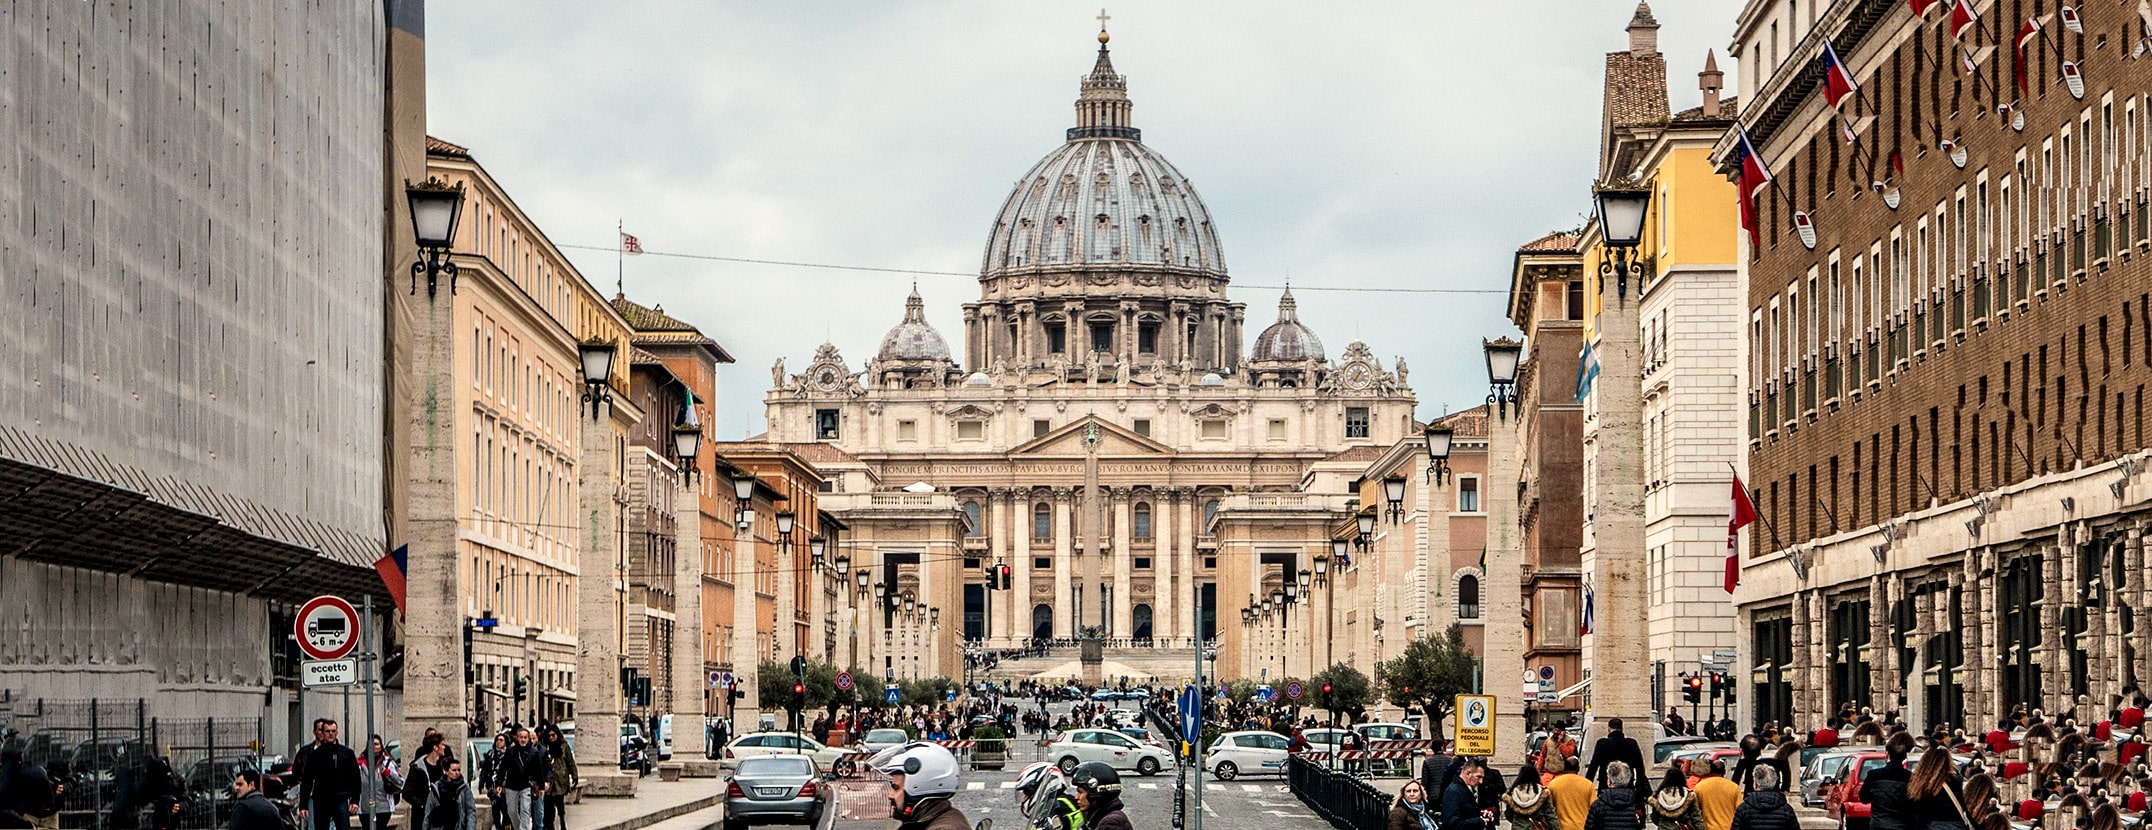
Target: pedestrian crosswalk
{"type": "Point", "coordinates": [1007, 785]}
{"type": "Point", "coordinates": [1251, 788]}
{"type": "Point", "coordinates": [976, 785]}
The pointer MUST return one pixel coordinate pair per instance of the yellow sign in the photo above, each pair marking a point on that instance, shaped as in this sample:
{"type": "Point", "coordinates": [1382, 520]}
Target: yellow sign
{"type": "Point", "coordinates": [1475, 725]}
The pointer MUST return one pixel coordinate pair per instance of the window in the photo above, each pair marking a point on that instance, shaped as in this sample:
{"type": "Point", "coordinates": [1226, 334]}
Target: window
{"type": "Point", "coordinates": [1468, 597]}
{"type": "Point", "coordinates": [1042, 563]}
{"type": "Point", "coordinates": [1057, 339]}
{"type": "Point", "coordinates": [1143, 427]}
{"type": "Point", "coordinates": [825, 425]}
{"type": "Point", "coordinates": [1277, 429]}
{"type": "Point", "coordinates": [1210, 511]}
{"type": "Point", "coordinates": [1042, 521]}
{"type": "Point", "coordinates": [1041, 426]}
{"type": "Point", "coordinates": [1143, 563]}
{"type": "Point", "coordinates": [1575, 300]}
{"type": "Point", "coordinates": [1147, 338]}
{"type": "Point", "coordinates": [1214, 429]}
{"type": "Point", "coordinates": [1468, 494]}
{"type": "Point", "coordinates": [978, 526]}
{"type": "Point", "coordinates": [970, 430]}
{"type": "Point", "coordinates": [907, 430]}
{"type": "Point", "coordinates": [1101, 337]}
{"type": "Point", "coordinates": [1356, 422]}
{"type": "Point", "coordinates": [1143, 521]}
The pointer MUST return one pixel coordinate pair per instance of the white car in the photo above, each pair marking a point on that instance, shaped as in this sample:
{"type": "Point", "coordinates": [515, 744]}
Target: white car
{"type": "Point", "coordinates": [780, 743]}
{"type": "Point", "coordinates": [877, 740]}
{"type": "Point", "coordinates": [1079, 746]}
{"type": "Point", "coordinates": [1235, 754]}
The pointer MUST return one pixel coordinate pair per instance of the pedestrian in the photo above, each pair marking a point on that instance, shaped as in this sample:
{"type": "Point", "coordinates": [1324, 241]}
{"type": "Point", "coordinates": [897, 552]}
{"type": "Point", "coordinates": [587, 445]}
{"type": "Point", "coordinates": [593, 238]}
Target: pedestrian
{"type": "Point", "coordinates": [424, 772]}
{"type": "Point", "coordinates": [328, 781]}
{"type": "Point", "coordinates": [564, 778]}
{"type": "Point", "coordinates": [524, 771]}
{"type": "Point", "coordinates": [1890, 807]}
{"type": "Point", "coordinates": [26, 791]}
{"type": "Point", "coordinates": [1718, 796]}
{"type": "Point", "coordinates": [1410, 810]}
{"type": "Point", "coordinates": [379, 785]}
{"type": "Point", "coordinates": [1460, 803]}
{"type": "Point", "coordinates": [1573, 796]}
{"type": "Point", "coordinates": [1529, 805]}
{"type": "Point", "coordinates": [1616, 807]}
{"type": "Point", "coordinates": [252, 810]}
{"type": "Point", "coordinates": [1554, 754]}
{"type": "Point", "coordinates": [1935, 791]}
{"type": "Point", "coordinates": [1765, 808]}
{"type": "Point", "coordinates": [1751, 749]}
{"type": "Point", "coordinates": [454, 808]}
{"type": "Point", "coordinates": [1615, 747]}
{"type": "Point", "coordinates": [1673, 806]}
{"type": "Point", "coordinates": [489, 779]}
{"type": "Point", "coordinates": [1434, 772]}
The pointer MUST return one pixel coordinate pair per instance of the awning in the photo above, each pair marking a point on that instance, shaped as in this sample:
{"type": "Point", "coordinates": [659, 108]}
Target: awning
{"type": "Point", "coordinates": [560, 694]}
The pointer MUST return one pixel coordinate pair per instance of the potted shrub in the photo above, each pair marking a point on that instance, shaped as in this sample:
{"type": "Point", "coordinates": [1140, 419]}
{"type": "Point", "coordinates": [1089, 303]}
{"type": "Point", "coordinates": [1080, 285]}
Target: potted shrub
{"type": "Point", "coordinates": [991, 750]}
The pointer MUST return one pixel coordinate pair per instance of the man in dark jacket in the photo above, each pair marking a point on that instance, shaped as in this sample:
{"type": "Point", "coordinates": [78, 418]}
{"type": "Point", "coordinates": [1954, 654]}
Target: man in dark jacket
{"type": "Point", "coordinates": [1460, 802]}
{"type": "Point", "coordinates": [453, 806]}
{"type": "Point", "coordinates": [1618, 807]}
{"type": "Point", "coordinates": [1751, 749]}
{"type": "Point", "coordinates": [253, 811]}
{"type": "Point", "coordinates": [1884, 789]}
{"type": "Point", "coordinates": [522, 776]}
{"type": "Point", "coordinates": [25, 790]}
{"type": "Point", "coordinates": [1435, 773]}
{"type": "Point", "coordinates": [1765, 808]}
{"type": "Point", "coordinates": [1615, 746]}
{"type": "Point", "coordinates": [328, 781]}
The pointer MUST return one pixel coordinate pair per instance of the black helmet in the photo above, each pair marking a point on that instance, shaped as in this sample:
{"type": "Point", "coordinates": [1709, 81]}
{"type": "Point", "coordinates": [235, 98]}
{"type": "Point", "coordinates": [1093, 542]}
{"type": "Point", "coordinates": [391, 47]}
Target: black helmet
{"type": "Point", "coordinates": [1096, 777]}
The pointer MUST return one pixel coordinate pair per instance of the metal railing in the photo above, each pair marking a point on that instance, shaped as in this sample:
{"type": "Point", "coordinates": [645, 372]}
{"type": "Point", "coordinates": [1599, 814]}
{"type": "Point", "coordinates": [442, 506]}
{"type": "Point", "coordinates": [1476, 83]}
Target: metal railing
{"type": "Point", "coordinates": [1346, 801]}
{"type": "Point", "coordinates": [118, 761]}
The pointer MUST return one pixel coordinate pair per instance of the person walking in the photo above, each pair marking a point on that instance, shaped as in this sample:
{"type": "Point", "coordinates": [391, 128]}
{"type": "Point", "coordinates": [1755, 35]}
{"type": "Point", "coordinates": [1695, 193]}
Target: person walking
{"type": "Point", "coordinates": [425, 771]}
{"type": "Point", "coordinates": [454, 807]}
{"type": "Point", "coordinates": [1717, 796]}
{"type": "Point", "coordinates": [1765, 807]}
{"type": "Point", "coordinates": [328, 781]}
{"type": "Point", "coordinates": [1936, 792]}
{"type": "Point", "coordinates": [1573, 796]}
{"type": "Point", "coordinates": [26, 791]}
{"type": "Point", "coordinates": [564, 778]}
{"type": "Point", "coordinates": [379, 785]}
{"type": "Point", "coordinates": [524, 771]}
{"type": "Point", "coordinates": [1529, 805]}
{"type": "Point", "coordinates": [1616, 807]}
{"type": "Point", "coordinates": [1410, 810]}
{"type": "Point", "coordinates": [1615, 747]}
{"type": "Point", "coordinates": [1435, 771]}
{"type": "Point", "coordinates": [1460, 803]}
{"type": "Point", "coordinates": [1884, 790]}
{"type": "Point", "coordinates": [1673, 806]}
{"type": "Point", "coordinates": [252, 810]}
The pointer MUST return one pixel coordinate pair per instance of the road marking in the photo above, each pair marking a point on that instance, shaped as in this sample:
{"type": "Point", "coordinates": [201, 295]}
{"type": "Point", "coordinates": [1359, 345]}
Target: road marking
{"type": "Point", "coordinates": [1008, 785]}
{"type": "Point", "coordinates": [1251, 788]}
{"type": "Point", "coordinates": [976, 785]}
{"type": "Point", "coordinates": [1146, 786]}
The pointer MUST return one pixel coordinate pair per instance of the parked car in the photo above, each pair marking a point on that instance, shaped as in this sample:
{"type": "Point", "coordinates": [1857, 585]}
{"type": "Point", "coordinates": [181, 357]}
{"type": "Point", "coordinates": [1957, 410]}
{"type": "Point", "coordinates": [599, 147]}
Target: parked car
{"type": "Point", "coordinates": [877, 740]}
{"type": "Point", "coordinates": [780, 743]}
{"type": "Point", "coordinates": [1842, 799]}
{"type": "Point", "coordinates": [1142, 735]}
{"type": "Point", "coordinates": [1078, 746]}
{"type": "Point", "coordinates": [773, 789]}
{"type": "Point", "coordinates": [1371, 732]}
{"type": "Point", "coordinates": [1666, 746]}
{"type": "Point", "coordinates": [1823, 771]}
{"type": "Point", "coordinates": [1707, 752]}
{"type": "Point", "coordinates": [1235, 754]}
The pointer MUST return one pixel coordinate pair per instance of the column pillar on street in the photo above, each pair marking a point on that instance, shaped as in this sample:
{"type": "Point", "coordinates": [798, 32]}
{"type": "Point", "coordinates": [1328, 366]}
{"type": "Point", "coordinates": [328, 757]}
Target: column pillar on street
{"type": "Point", "coordinates": [1019, 512]}
{"type": "Point", "coordinates": [785, 632]}
{"type": "Point", "coordinates": [746, 655]}
{"type": "Point", "coordinates": [1166, 597]}
{"type": "Point", "coordinates": [598, 576]}
{"type": "Point", "coordinates": [434, 689]}
{"type": "Point", "coordinates": [1066, 618]}
{"type": "Point", "coordinates": [690, 684]}
{"type": "Point", "coordinates": [1618, 651]}
{"type": "Point", "coordinates": [1502, 638]}
{"type": "Point", "coordinates": [1123, 622]}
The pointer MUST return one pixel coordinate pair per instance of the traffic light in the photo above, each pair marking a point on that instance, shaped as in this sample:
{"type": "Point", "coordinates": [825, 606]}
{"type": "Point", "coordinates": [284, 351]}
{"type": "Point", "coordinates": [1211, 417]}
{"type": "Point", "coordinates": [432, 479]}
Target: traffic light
{"type": "Point", "coordinates": [470, 670]}
{"type": "Point", "coordinates": [799, 696]}
{"type": "Point", "coordinates": [1008, 578]}
{"type": "Point", "coordinates": [993, 577]}
{"type": "Point", "coordinates": [523, 687]}
{"type": "Point", "coordinates": [1718, 684]}
{"type": "Point", "coordinates": [1692, 688]}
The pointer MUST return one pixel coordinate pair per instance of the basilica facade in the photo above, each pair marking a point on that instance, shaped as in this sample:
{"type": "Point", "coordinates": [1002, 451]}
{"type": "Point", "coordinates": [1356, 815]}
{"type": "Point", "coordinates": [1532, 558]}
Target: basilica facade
{"type": "Point", "coordinates": [1103, 455]}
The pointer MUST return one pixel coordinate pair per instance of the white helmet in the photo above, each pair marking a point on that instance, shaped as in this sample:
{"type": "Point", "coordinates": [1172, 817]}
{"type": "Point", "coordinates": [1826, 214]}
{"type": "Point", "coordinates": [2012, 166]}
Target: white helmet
{"type": "Point", "coordinates": [929, 770]}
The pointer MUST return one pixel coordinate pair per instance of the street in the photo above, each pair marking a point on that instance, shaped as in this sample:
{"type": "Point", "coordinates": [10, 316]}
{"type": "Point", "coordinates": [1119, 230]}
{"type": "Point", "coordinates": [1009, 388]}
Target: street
{"type": "Point", "coordinates": [1148, 801]}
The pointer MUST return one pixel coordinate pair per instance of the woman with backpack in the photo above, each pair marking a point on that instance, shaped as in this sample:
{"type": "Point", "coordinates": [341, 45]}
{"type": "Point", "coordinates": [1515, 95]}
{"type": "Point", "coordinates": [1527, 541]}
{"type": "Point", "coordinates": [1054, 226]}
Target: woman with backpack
{"type": "Point", "coordinates": [380, 785]}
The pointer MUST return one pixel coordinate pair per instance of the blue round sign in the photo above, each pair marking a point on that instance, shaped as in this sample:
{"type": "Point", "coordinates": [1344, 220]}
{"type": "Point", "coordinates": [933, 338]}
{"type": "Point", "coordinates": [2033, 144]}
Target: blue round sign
{"type": "Point", "coordinates": [1293, 690]}
{"type": "Point", "coordinates": [844, 681]}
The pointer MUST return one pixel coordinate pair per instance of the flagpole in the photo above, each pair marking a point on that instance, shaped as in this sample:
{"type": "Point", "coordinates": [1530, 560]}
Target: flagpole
{"type": "Point", "coordinates": [620, 246]}
{"type": "Point", "coordinates": [1767, 526]}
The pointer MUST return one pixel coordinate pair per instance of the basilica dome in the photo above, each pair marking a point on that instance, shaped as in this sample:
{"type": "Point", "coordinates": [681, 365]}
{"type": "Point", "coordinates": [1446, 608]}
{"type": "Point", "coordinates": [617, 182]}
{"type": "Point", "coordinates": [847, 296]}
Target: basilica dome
{"type": "Point", "coordinates": [1287, 339]}
{"type": "Point", "coordinates": [1103, 198]}
{"type": "Point", "coordinates": [914, 338]}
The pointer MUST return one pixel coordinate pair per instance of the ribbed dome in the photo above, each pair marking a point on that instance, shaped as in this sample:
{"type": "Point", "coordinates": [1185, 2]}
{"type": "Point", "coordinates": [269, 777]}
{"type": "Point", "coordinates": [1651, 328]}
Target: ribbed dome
{"type": "Point", "coordinates": [913, 339]}
{"type": "Point", "coordinates": [1103, 198]}
{"type": "Point", "coordinates": [1287, 339]}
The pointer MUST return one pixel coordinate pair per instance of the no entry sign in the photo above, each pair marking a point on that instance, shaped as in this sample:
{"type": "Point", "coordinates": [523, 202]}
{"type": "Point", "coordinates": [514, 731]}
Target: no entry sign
{"type": "Point", "coordinates": [327, 628]}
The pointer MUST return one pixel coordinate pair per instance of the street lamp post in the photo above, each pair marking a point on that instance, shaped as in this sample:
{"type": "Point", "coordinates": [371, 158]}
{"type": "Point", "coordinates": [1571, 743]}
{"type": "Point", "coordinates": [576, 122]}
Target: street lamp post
{"type": "Point", "coordinates": [1438, 439]}
{"type": "Point", "coordinates": [1614, 651]}
{"type": "Point", "coordinates": [436, 207]}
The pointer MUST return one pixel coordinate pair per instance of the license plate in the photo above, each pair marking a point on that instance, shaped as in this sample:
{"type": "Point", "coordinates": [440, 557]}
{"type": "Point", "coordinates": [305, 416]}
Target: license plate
{"type": "Point", "coordinates": [772, 791]}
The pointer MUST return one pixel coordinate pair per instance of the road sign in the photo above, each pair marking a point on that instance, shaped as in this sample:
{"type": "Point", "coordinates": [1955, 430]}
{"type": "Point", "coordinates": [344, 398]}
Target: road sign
{"type": "Point", "coordinates": [1475, 724]}
{"type": "Point", "coordinates": [1549, 696]}
{"type": "Point", "coordinates": [1265, 694]}
{"type": "Point", "coordinates": [1546, 674]}
{"type": "Point", "coordinates": [1224, 690]}
{"type": "Point", "coordinates": [1294, 690]}
{"type": "Point", "coordinates": [725, 678]}
{"type": "Point", "coordinates": [1546, 685]}
{"type": "Point", "coordinates": [844, 681]}
{"type": "Point", "coordinates": [889, 695]}
{"type": "Point", "coordinates": [717, 680]}
{"type": "Point", "coordinates": [951, 696]}
{"type": "Point", "coordinates": [1191, 706]}
{"type": "Point", "coordinates": [316, 673]}
{"type": "Point", "coordinates": [327, 628]}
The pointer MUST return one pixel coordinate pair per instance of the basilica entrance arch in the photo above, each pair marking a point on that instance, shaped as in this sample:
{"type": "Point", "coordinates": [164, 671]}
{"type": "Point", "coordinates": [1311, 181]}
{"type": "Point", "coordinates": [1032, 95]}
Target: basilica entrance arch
{"type": "Point", "coordinates": [1042, 622]}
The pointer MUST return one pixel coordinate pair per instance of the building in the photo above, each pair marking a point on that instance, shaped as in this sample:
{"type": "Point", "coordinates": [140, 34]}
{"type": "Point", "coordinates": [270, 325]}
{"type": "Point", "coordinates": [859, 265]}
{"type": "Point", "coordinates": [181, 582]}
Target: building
{"type": "Point", "coordinates": [191, 418]}
{"type": "Point", "coordinates": [1668, 453]}
{"type": "Point", "coordinates": [1103, 425]}
{"type": "Point", "coordinates": [1546, 301]}
{"type": "Point", "coordinates": [1946, 421]}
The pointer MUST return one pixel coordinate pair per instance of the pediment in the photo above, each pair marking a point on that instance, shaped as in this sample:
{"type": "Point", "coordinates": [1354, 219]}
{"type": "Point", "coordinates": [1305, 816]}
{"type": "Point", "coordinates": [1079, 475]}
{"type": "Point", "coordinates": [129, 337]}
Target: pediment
{"type": "Point", "coordinates": [1113, 439]}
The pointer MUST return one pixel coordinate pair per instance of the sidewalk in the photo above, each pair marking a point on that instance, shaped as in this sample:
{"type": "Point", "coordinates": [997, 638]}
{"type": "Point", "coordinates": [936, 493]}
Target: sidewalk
{"type": "Point", "coordinates": [655, 801]}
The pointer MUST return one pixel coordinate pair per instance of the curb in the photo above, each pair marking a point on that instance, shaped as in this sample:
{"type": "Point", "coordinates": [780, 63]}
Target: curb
{"type": "Point", "coordinates": [665, 814]}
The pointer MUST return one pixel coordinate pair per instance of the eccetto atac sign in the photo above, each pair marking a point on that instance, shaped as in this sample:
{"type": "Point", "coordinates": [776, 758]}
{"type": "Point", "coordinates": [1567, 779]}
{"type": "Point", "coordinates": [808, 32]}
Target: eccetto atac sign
{"type": "Point", "coordinates": [314, 673]}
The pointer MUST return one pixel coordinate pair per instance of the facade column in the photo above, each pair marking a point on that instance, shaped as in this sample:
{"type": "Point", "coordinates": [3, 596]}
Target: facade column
{"type": "Point", "coordinates": [1503, 595]}
{"type": "Point", "coordinates": [1882, 660]}
{"type": "Point", "coordinates": [2054, 660]}
{"type": "Point", "coordinates": [435, 694]}
{"type": "Point", "coordinates": [2133, 559]}
{"type": "Point", "coordinates": [1184, 546]}
{"type": "Point", "coordinates": [1618, 651]}
{"type": "Point", "coordinates": [785, 631]}
{"type": "Point", "coordinates": [1065, 616]}
{"type": "Point", "coordinates": [1987, 668]}
{"type": "Point", "coordinates": [1020, 596]}
{"type": "Point", "coordinates": [598, 604]}
{"type": "Point", "coordinates": [746, 597]}
{"type": "Point", "coordinates": [1001, 616]}
{"type": "Point", "coordinates": [1435, 512]}
{"type": "Point", "coordinates": [689, 686]}
{"type": "Point", "coordinates": [1916, 708]}
{"type": "Point", "coordinates": [1167, 597]}
{"type": "Point", "coordinates": [1124, 594]}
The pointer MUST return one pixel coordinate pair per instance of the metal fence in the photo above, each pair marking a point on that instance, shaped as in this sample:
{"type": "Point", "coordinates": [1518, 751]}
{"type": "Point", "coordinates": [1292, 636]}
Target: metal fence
{"type": "Point", "coordinates": [1346, 801]}
{"type": "Point", "coordinates": [122, 767]}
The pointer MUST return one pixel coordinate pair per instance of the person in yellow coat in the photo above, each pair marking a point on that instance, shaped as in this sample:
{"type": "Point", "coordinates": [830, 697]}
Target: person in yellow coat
{"type": "Point", "coordinates": [1573, 796]}
{"type": "Point", "coordinates": [1719, 796]}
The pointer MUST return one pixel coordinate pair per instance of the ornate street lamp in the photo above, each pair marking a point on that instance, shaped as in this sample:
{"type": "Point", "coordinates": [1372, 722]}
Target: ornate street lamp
{"type": "Point", "coordinates": [844, 566]}
{"type": "Point", "coordinates": [687, 445]}
{"type": "Point", "coordinates": [784, 526]}
{"type": "Point", "coordinates": [1502, 357]}
{"type": "Point", "coordinates": [1622, 208]}
{"type": "Point", "coordinates": [1438, 451]}
{"type": "Point", "coordinates": [1337, 552]}
{"type": "Point", "coordinates": [1393, 491]}
{"type": "Point", "coordinates": [436, 206]}
{"type": "Point", "coordinates": [597, 360]}
{"type": "Point", "coordinates": [1366, 522]}
{"type": "Point", "coordinates": [1322, 569]}
{"type": "Point", "coordinates": [1292, 593]}
{"type": "Point", "coordinates": [863, 576]}
{"type": "Point", "coordinates": [814, 552]}
{"type": "Point", "coordinates": [743, 493]}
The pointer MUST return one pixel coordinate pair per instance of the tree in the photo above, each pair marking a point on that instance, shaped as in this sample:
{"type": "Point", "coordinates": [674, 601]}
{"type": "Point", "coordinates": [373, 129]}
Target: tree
{"type": "Point", "coordinates": [1429, 676]}
{"type": "Point", "coordinates": [1241, 691]}
{"type": "Point", "coordinates": [866, 691]}
{"type": "Point", "coordinates": [1350, 690]}
{"type": "Point", "coordinates": [773, 685]}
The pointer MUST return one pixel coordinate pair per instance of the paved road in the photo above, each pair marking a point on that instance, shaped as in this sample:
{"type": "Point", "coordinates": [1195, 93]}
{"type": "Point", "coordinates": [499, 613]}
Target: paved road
{"type": "Point", "coordinates": [1149, 803]}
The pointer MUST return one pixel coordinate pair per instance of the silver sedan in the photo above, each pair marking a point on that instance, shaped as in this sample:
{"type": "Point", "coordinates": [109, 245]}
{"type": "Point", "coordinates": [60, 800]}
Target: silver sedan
{"type": "Point", "coordinates": [776, 789]}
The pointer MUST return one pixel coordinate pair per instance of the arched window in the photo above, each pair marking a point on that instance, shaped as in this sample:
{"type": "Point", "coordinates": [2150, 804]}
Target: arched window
{"type": "Point", "coordinates": [1042, 622]}
{"type": "Point", "coordinates": [1468, 597]}
{"type": "Point", "coordinates": [1042, 521]}
{"type": "Point", "coordinates": [978, 525]}
{"type": "Point", "coordinates": [1210, 509]}
{"type": "Point", "coordinates": [1143, 623]}
{"type": "Point", "coordinates": [1143, 521]}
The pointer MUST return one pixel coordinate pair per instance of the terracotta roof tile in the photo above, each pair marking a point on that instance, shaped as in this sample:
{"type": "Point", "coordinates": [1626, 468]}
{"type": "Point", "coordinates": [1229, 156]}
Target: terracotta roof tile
{"type": "Point", "coordinates": [1562, 242]}
{"type": "Point", "coordinates": [437, 147]}
{"type": "Point", "coordinates": [1729, 110]}
{"type": "Point", "coordinates": [1470, 423]}
{"type": "Point", "coordinates": [1636, 89]}
{"type": "Point", "coordinates": [1364, 453]}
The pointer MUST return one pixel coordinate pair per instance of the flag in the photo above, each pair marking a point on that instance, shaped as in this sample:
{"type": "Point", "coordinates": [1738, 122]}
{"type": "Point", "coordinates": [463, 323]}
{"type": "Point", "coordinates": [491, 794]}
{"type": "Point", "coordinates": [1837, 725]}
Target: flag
{"type": "Point", "coordinates": [1585, 627]}
{"type": "Point", "coordinates": [1753, 177]}
{"type": "Point", "coordinates": [1838, 83]}
{"type": "Point", "coordinates": [1962, 18]}
{"type": "Point", "coordinates": [392, 567]}
{"type": "Point", "coordinates": [1483, 560]}
{"type": "Point", "coordinates": [1921, 7]}
{"type": "Point", "coordinates": [1587, 371]}
{"type": "Point", "coordinates": [2026, 34]}
{"type": "Point", "coordinates": [1740, 515]}
{"type": "Point", "coordinates": [630, 245]}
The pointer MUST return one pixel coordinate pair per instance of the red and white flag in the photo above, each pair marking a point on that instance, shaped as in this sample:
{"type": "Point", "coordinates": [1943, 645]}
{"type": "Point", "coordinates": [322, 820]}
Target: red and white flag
{"type": "Point", "coordinates": [1740, 515]}
{"type": "Point", "coordinates": [630, 245]}
{"type": "Point", "coordinates": [1962, 18]}
{"type": "Point", "coordinates": [2026, 35]}
{"type": "Point", "coordinates": [1921, 7]}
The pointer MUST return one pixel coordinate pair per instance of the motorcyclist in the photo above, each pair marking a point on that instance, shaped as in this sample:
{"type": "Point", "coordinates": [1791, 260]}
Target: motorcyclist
{"type": "Point", "coordinates": [1098, 792]}
{"type": "Point", "coordinates": [922, 780]}
{"type": "Point", "coordinates": [1044, 798]}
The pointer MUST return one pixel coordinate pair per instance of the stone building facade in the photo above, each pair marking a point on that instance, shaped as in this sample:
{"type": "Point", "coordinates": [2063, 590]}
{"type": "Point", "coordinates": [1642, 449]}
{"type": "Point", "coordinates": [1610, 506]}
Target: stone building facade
{"type": "Point", "coordinates": [1946, 417]}
{"type": "Point", "coordinates": [1547, 302]}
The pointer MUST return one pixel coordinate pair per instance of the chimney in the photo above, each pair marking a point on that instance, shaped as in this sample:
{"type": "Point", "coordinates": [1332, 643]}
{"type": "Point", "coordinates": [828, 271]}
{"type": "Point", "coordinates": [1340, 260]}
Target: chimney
{"type": "Point", "coordinates": [1711, 80]}
{"type": "Point", "coordinates": [1643, 32]}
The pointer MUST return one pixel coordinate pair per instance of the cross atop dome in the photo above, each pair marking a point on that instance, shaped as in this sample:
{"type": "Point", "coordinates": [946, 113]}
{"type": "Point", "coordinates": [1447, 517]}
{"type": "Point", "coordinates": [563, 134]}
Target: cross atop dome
{"type": "Point", "coordinates": [1102, 108]}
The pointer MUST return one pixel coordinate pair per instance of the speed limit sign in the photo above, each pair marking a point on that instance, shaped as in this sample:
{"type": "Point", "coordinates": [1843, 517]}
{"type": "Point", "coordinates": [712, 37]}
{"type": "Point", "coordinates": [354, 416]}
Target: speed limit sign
{"type": "Point", "coordinates": [327, 628]}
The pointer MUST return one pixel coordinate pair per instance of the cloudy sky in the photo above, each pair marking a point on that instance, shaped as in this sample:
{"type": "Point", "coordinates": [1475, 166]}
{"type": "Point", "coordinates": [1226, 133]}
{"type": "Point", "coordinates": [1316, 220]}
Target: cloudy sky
{"type": "Point", "coordinates": [1342, 145]}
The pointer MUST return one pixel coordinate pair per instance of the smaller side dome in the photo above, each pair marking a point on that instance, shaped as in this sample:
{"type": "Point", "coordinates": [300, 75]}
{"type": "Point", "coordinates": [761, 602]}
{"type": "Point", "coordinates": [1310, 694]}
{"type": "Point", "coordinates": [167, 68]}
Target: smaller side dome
{"type": "Point", "coordinates": [978, 379]}
{"type": "Point", "coordinates": [1287, 340]}
{"type": "Point", "coordinates": [914, 339]}
{"type": "Point", "coordinates": [1211, 379]}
